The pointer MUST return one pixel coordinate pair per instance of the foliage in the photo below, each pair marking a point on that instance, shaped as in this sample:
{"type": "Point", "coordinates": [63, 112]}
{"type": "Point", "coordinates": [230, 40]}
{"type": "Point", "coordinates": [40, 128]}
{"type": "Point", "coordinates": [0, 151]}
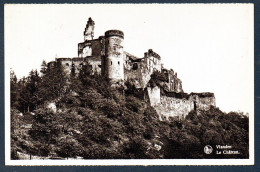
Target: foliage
{"type": "Point", "coordinates": [95, 121]}
{"type": "Point", "coordinates": [157, 78]}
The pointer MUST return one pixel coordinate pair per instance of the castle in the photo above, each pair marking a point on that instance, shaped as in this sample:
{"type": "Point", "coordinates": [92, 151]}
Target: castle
{"type": "Point", "coordinates": [106, 56]}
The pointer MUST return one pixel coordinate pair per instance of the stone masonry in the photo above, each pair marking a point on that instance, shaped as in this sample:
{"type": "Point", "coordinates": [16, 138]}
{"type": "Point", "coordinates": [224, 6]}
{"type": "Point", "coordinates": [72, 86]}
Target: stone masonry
{"type": "Point", "coordinates": [106, 56]}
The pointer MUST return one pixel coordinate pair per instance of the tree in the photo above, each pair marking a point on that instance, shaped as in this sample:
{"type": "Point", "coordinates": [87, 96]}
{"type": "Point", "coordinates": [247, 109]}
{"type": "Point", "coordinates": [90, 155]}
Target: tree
{"type": "Point", "coordinates": [43, 67]}
{"type": "Point", "coordinates": [52, 84]}
{"type": "Point", "coordinates": [28, 89]}
{"type": "Point", "coordinates": [14, 91]}
{"type": "Point", "coordinates": [68, 147]}
{"type": "Point", "coordinates": [47, 126]}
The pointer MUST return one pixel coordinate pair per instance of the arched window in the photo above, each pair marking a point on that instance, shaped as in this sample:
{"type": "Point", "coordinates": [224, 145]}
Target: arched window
{"type": "Point", "coordinates": [111, 62]}
{"type": "Point", "coordinates": [118, 62]}
{"type": "Point", "coordinates": [67, 64]}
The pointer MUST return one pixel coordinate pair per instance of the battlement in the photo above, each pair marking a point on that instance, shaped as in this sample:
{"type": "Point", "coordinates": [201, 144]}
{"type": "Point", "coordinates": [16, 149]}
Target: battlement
{"type": "Point", "coordinates": [70, 59]}
{"type": "Point", "coordinates": [186, 95]}
{"type": "Point", "coordinates": [176, 95]}
{"type": "Point", "coordinates": [63, 59]}
{"type": "Point", "coordinates": [203, 95]}
{"type": "Point", "coordinates": [110, 33]}
{"type": "Point", "coordinates": [78, 59]}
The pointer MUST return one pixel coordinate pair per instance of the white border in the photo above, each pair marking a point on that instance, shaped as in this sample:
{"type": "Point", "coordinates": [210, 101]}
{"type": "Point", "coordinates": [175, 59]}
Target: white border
{"type": "Point", "coordinates": [134, 162]}
{"type": "Point", "coordinates": [116, 162]}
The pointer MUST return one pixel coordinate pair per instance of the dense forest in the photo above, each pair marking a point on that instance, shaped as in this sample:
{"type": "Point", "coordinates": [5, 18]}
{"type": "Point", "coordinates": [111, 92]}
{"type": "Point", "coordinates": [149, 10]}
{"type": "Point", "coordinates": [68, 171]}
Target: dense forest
{"type": "Point", "coordinates": [90, 120]}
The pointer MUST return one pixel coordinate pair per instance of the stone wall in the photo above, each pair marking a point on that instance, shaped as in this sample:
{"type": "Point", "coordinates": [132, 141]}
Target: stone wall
{"type": "Point", "coordinates": [77, 64]}
{"type": "Point", "coordinates": [139, 70]}
{"type": "Point", "coordinates": [97, 47]}
{"type": "Point", "coordinates": [69, 63]}
{"type": "Point", "coordinates": [66, 63]}
{"type": "Point", "coordinates": [174, 84]}
{"type": "Point", "coordinates": [178, 105]}
{"type": "Point", "coordinates": [137, 74]}
{"type": "Point", "coordinates": [91, 48]}
{"type": "Point", "coordinates": [152, 61]}
{"type": "Point", "coordinates": [95, 63]}
{"type": "Point", "coordinates": [89, 30]}
{"type": "Point", "coordinates": [154, 96]}
{"type": "Point", "coordinates": [174, 107]}
{"type": "Point", "coordinates": [203, 103]}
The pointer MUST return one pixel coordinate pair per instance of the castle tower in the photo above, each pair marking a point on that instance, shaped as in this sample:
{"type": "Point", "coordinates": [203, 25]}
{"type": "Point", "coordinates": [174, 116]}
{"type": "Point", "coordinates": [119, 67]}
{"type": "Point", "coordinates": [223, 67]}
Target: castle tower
{"type": "Point", "coordinates": [113, 61]}
{"type": "Point", "coordinates": [89, 30]}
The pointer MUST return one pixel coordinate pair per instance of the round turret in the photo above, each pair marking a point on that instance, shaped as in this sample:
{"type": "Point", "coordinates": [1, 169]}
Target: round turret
{"type": "Point", "coordinates": [114, 33]}
{"type": "Point", "coordinates": [114, 56]}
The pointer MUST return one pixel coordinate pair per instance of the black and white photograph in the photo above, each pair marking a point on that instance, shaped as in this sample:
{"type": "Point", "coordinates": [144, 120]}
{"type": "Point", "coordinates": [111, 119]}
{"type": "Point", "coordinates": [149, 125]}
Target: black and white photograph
{"type": "Point", "coordinates": [129, 84]}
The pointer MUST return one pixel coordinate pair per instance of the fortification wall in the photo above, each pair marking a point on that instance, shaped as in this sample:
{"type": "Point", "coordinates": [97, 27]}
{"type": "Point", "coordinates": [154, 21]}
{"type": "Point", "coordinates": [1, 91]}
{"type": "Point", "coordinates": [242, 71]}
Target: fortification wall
{"type": "Point", "coordinates": [174, 107]}
{"type": "Point", "coordinates": [139, 76]}
{"type": "Point", "coordinates": [97, 48]}
{"type": "Point", "coordinates": [91, 48]}
{"type": "Point", "coordinates": [66, 63]}
{"type": "Point", "coordinates": [95, 63]}
{"type": "Point", "coordinates": [152, 61]}
{"type": "Point", "coordinates": [77, 64]}
{"type": "Point", "coordinates": [69, 63]}
{"type": "Point", "coordinates": [204, 103]}
{"type": "Point", "coordinates": [173, 83]}
{"type": "Point", "coordinates": [178, 105]}
{"type": "Point", "coordinates": [154, 96]}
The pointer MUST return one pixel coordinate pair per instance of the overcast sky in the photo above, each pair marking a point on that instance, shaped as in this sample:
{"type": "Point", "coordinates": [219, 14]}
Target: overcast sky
{"type": "Point", "coordinates": [209, 46]}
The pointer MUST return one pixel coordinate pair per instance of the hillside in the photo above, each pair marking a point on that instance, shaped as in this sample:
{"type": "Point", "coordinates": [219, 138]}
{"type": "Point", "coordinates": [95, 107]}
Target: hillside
{"type": "Point", "coordinates": [91, 120]}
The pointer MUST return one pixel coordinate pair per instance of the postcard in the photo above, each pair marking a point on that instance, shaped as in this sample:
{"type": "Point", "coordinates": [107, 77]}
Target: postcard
{"type": "Point", "coordinates": [129, 84]}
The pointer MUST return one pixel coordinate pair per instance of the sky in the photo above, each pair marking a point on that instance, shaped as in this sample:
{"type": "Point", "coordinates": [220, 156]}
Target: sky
{"type": "Point", "coordinates": [210, 46]}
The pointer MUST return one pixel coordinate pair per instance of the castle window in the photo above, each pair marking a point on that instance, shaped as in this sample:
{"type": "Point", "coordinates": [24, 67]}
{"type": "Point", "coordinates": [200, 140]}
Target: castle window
{"type": "Point", "coordinates": [135, 66]}
{"type": "Point", "coordinates": [118, 62]}
{"type": "Point", "coordinates": [67, 64]}
{"type": "Point", "coordinates": [111, 62]}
